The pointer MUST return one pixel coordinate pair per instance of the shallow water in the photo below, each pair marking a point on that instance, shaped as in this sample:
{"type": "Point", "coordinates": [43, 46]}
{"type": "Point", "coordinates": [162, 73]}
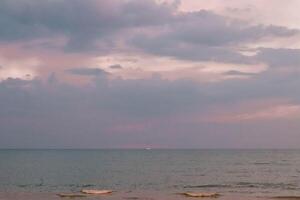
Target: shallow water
{"type": "Point", "coordinates": [252, 173]}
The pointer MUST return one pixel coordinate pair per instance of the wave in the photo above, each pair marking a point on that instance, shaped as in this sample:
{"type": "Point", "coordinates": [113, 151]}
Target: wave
{"type": "Point", "coordinates": [30, 185]}
{"type": "Point", "coordinates": [262, 163]}
{"type": "Point", "coordinates": [287, 186]}
{"type": "Point", "coordinates": [81, 185]}
{"type": "Point", "coordinates": [268, 185]}
{"type": "Point", "coordinates": [208, 186]}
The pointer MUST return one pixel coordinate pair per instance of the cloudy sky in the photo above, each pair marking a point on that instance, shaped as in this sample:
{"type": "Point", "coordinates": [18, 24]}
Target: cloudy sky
{"type": "Point", "coordinates": [149, 73]}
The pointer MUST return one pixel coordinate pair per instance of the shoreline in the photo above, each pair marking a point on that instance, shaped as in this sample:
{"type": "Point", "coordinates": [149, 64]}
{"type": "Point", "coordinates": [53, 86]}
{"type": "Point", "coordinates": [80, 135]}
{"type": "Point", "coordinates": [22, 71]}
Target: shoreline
{"type": "Point", "coordinates": [134, 195]}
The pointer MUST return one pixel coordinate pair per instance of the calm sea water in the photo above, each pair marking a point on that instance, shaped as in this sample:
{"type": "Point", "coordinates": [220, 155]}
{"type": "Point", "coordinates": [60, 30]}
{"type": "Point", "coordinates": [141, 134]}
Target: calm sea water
{"type": "Point", "coordinates": [245, 172]}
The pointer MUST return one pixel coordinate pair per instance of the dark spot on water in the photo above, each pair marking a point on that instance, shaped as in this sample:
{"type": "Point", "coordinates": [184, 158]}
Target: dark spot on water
{"type": "Point", "coordinates": [208, 186]}
{"type": "Point", "coordinates": [137, 198]}
{"type": "Point", "coordinates": [286, 197]}
{"type": "Point", "coordinates": [71, 195]}
{"type": "Point", "coordinates": [131, 198]}
{"type": "Point", "coordinates": [23, 186]}
{"type": "Point", "coordinates": [80, 185]}
{"type": "Point", "coordinates": [87, 185]}
{"type": "Point", "coordinates": [262, 163]}
{"type": "Point", "coordinates": [288, 186]}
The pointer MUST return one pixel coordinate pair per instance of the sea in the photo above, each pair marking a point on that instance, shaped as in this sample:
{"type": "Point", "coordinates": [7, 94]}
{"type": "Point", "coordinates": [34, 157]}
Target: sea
{"type": "Point", "coordinates": [134, 173]}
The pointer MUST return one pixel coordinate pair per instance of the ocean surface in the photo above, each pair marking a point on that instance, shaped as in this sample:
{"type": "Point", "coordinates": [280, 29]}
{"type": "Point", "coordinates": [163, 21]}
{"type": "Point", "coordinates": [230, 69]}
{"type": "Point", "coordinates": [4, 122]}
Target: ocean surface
{"type": "Point", "coordinates": [259, 173]}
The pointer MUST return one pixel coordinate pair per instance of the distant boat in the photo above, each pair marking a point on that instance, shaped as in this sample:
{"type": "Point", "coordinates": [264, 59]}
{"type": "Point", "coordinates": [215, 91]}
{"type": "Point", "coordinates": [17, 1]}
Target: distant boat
{"type": "Point", "coordinates": [148, 148]}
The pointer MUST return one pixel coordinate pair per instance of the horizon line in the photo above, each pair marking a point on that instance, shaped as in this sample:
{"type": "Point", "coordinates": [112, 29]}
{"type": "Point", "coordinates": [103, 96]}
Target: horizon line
{"type": "Point", "coordinates": [1, 149]}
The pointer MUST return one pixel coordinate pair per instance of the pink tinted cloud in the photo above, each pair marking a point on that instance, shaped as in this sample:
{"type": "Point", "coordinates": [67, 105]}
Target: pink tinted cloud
{"type": "Point", "coordinates": [258, 110]}
{"type": "Point", "coordinates": [49, 60]}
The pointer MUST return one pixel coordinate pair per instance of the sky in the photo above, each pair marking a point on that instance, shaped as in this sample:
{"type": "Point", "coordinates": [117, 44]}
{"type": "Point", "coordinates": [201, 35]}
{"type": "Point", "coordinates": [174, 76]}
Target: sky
{"type": "Point", "coordinates": [149, 73]}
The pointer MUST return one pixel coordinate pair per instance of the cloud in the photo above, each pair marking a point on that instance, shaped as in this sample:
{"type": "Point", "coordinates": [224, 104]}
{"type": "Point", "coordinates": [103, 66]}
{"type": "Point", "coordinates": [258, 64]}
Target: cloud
{"type": "Point", "coordinates": [87, 71]}
{"type": "Point", "coordinates": [281, 111]}
{"type": "Point", "coordinates": [173, 68]}
{"type": "Point", "coordinates": [98, 19]}
{"type": "Point", "coordinates": [238, 73]}
{"type": "Point", "coordinates": [52, 79]}
{"type": "Point", "coordinates": [288, 111]}
{"type": "Point", "coordinates": [282, 57]}
{"type": "Point", "coordinates": [55, 114]}
{"type": "Point", "coordinates": [125, 112]}
{"type": "Point", "coordinates": [116, 66]}
{"type": "Point", "coordinates": [206, 36]}
{"type": "Point", "coordinates": [104, 27]}
{"type": "Point", "coordinates": [16, 83]}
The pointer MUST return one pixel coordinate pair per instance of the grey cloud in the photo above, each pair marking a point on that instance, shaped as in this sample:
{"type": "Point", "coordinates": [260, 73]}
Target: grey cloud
{"type": "Point", "coordinates": [238, 73]}
{"type": "Point", "coordinates": [96, 25]}
{"type": "Point", "coordinates": [52, 79]}
{"type": "Point", "coordinates": [282, 57]}
{"type": "Point", "coordinates": [87, 71]}
{"type": "Point", "coordinates": [16, 83]}
{"type": "Point", "coordinates": [65, 111]}
{"type": "Point", "coordinates": [116, 66]}
{"type": "Point", "coordinates": [168, 47]}
{"type": "Point", "coordinates": [83, 22]}
{"type": "Point", "coordinates": [205, 36]}
{"type": "Point", "coordinates": [209, 29]}
{"type": "Point", "coordinates": [131, 99]}
{"type": "Point", "coordinates": [102, 113]}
